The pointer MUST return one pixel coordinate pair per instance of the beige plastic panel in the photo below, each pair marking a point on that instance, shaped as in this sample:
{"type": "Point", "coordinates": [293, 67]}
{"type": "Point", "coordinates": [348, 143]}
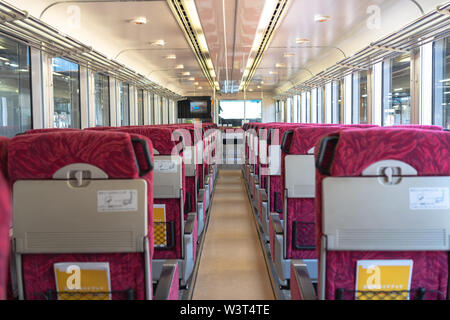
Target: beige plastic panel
{"type": "Point", "coordinates": [366, 213]}
{"type": "Point", "coordinates": [300, 173]}
{"type": "Point", "coordinates": [167, 177]}
{"type": "Point", "coordinates": [52, 216]}
{"type": "Point", "coordinates": [190, 158]}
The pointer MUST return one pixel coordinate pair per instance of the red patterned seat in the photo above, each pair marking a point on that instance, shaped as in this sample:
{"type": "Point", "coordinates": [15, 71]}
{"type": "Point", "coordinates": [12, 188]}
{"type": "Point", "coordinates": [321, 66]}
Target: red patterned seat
{"type": "Point", "coordinates": [5, 223]}
{"type": "Point", "coordinates": [352, 154]}
{"type": "Point", "coordinates": [120, 156]}
{"type": "Point", "coordinates": [167, 148]}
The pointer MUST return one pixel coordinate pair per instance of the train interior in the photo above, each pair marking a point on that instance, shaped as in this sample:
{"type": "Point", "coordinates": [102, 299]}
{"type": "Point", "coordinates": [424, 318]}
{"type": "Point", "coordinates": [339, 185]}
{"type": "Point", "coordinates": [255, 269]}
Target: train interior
{"type": "Point", "coordinates": [224, 150]}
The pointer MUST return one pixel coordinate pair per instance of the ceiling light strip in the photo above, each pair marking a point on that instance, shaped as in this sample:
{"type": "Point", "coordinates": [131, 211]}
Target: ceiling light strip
{"type": "Point", "coordinates": [187, 17]}
{"type": "Point", "coordinates": [259, 48]}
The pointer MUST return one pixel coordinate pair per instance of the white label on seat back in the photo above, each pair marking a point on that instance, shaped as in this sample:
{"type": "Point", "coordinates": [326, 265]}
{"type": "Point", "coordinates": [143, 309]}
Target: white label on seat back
{"type": "Point", "coordinates": [429, 198]}
{"type": "Point", "coordinates": [117, 200]}
{"type": "Point", "coordinates": [168, 166]}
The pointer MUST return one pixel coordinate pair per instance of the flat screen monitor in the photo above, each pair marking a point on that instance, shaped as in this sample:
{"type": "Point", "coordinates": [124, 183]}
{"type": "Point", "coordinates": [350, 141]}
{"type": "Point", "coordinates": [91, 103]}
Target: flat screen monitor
{"type": "Point", "coordinates": [199, 106]}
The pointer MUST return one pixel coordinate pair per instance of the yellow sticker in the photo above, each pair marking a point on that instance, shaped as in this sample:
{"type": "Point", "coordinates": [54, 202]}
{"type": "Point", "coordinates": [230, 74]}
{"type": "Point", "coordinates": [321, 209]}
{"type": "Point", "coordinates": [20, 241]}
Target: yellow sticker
{"type": "Point", "coordinates": [159, 222]}
{"type": "Point", "coordinates": [383, 279]}
{"type": "Point", "coordinates": [83, 281]}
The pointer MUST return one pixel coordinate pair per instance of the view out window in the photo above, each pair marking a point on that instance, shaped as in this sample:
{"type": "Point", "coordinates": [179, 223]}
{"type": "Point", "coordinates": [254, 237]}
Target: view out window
{"type": "Point", "coordinates": [66, 94]}
{"type": "Point", "coordinates": [441, 81]}
{"type": "Point", "coordinates": [15, 88]}
{"type": "Point", "coordinates": [101, 90]}
{"type": "Point", "coordinates": [396, 91]}
{"type": "Point", "coordinates": [235, 111]}
{"type": "Point", "coordinates": [336, 101]}
{"type": "Point", "coordinates": [140, 106]}
{"type": "Point", "coordinates": [320, 104]}
{"type": "Point", "coordinates": [124, 104]}
{"type": "Point", "coordinates": [360, 100]}
{"type": "Point", "coordinates": [289, 110]}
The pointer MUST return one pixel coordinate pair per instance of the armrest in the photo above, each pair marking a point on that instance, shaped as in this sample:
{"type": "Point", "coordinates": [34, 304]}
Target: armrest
{"type": "Point", "coordinates": [208, 177]}
{"type": "Point", "coordinates": [302, 281]}
{"type": "Point", "coordinates": [168, 285]}
{"type": "Point", "coordinates": [263, 195]}
{"type": "Point", "coordinates": [189, 224]}
{"type": "Point", "coordinates": [201, 195]}
{"type": "Point", "coordinates": [276, 223]}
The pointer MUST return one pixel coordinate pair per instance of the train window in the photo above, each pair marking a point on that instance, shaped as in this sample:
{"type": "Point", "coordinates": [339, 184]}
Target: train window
{"type": "Point", "coordinates": [441, 81]}
{"type": "Point", "coordinates": [296, 100]}
{"type": "Point", "coordinates": [253, 110]}
{"type": "Point", "coordinates": [320, 104]}
{"type": "Point", "coordinates": [102, 105]}
{"type": "Point", "coordinates": [66, 94]}
{"type": "Point", "coordinates": [15, 88]}
{"type": "Point", "coordinates": [336, 101]}
{"type": "Point", "coordinates": [140, 107]}
{"type": "Point", "coordinates": [396, 91]}
{"type": "Point", "coordinates": [156, 109]}
{"type": "Point", "coordinates": [124, 104]}
{"type": "Point", "coordinates": [360, 100]}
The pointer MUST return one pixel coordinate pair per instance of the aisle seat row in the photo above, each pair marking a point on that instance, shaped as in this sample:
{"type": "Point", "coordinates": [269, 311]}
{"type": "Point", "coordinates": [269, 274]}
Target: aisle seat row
{"type": "Point", "coordinates": [126, 196]}
{"type": "Point", "coordinates": [337, 195]}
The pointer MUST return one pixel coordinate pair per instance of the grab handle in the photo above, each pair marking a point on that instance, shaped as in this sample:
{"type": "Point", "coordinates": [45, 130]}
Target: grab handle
{"type": "Point", "coordinates": [321, 155]}
{"type": "Point", "coordinates": [147, 156]}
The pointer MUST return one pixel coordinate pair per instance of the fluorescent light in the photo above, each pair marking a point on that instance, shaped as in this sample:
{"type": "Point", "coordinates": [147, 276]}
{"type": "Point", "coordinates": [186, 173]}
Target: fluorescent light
{"type": "Point", "coordinates": [200, 88]}
{"type": "Point", "coordinates": [398, 89]}
{"type": "Point", "coordinates": [191, 79]}
{"type": "Point", "coordinates": [4, 59]}
{"type": "Point", "coordinates": [171, 57]}
{"type": "Point", "coordinates": [186, 73]}
{"type": "Point", "coordinates": [196, 83]}
{"type": "Point", "coordinates": [444, 80]}
{"type": "Point", "coordinates": [280, 65]}
{"type": "Point", "coordinates": [273, 72]}
{"type": "Point", "coordinates": [179, 66]}
{"type": "Point", "coordinates": [288, 55]}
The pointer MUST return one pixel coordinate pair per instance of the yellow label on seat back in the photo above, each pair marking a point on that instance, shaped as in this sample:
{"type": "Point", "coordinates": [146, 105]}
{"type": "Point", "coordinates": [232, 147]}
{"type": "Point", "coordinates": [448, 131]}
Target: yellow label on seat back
{"type": "Point", "coordinates": [383, 279]}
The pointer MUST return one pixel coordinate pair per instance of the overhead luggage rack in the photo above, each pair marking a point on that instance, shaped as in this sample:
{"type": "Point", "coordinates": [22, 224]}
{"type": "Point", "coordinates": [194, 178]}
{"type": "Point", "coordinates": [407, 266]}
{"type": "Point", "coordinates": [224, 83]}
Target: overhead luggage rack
{"type": "Point", "coordinates": [39, 35]}
{"type": "Point", "coordinates": [430, 27]}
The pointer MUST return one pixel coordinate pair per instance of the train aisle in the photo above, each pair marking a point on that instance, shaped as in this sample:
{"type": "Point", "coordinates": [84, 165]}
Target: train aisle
{"type": "Point", "coordinates": [232, 264]}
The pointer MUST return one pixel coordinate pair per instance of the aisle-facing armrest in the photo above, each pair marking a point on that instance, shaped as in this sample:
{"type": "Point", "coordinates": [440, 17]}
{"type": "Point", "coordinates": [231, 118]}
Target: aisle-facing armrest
{"type": "Point", "coordinates": [168, 285]}
{"type": "Point", "coordinates": [302, 287]}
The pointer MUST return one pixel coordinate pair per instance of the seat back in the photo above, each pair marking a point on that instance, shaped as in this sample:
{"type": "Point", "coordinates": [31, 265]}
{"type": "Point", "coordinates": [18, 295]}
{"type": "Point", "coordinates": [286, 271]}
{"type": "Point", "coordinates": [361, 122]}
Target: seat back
{"type": "Point", "coordinates": [169, 188]}
{"type": "Point", "coordinates": [383, 194]}
{"type": "Point", "coordinates": [82, 197]}
{"type": "Point", "coordinates": [298, 185]}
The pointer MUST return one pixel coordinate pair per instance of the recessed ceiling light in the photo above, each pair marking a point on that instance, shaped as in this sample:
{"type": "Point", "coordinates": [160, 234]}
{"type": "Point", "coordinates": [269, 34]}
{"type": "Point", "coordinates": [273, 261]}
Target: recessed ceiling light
{"type": "Point", "coordinates": [321, 18]}
{"type": "Point", "coordinates": [196, 83]}
{"type": "Point", "coordinates": [280, 65]}
{"type": "Point", "coordinates": [200, 88]}
{"type": "Point", "coordinates": [262, 82]}
{"type": "Point", "coordinates": [139, 20]}
{"type": "Point", "coordinates": [302, 40]}
{"type": "Point", "coordinates": [171, 57]}
{"type": "Point", "coordinates": [250, 90]}
{"type": "Point", "coordinates": [272, 72]}
{"type": "Point", "coordinates": [288, 55]}
{"type": "Point", "coordinates": [159, 43]}
{"type": "Point", "coordinates": [186, 73]}
{"type": "Point", "coordinates": [191, 79]}
{"type": "Point", "coordinates": [259, 87]}
{"type": "Point", "coordinates": [179, 66]}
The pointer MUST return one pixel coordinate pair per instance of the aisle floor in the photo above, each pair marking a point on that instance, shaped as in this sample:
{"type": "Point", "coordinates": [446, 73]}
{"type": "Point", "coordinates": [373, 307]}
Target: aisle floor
{"type": "Point", "coordinates": [232, 264]}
